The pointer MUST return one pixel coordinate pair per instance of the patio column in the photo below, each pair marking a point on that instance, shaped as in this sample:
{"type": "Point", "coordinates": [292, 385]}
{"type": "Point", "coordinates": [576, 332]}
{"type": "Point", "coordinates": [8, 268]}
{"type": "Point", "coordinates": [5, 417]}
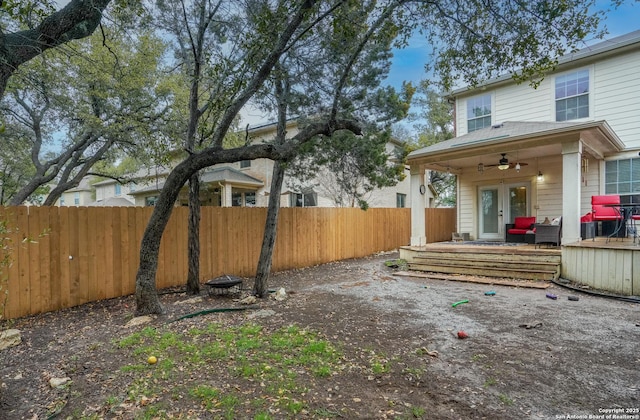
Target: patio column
{"type": "Point", "coordinates": [571, 186]}
{"type": "Point", "coordinates": [226, 196]}
{"type": "Point", "coordinates": [418, 235]}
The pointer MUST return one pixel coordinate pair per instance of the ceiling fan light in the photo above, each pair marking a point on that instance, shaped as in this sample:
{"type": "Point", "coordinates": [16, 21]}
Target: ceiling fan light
{"type": "Point", "coordinates": [517, 167]}
{"type": "Point", "coordinates": [504, 163]}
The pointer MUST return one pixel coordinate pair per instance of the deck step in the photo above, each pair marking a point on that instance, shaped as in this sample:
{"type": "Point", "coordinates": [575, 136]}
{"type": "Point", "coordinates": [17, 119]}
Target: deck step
{"type": "Point", "coordinates": [529, 264]}
{"type": "Point", "coordinates": [487, 271]}
{"type": "Point", "coordinates": [500, 261]}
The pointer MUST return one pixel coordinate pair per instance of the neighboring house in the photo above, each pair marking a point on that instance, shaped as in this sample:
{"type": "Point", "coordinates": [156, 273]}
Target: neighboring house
{"type": "Point", "coordinates": [81, 195]}
{"type": "Point", "coordinates": [246, 184]}
{"type": "Point", "coordinates": [542, 152]}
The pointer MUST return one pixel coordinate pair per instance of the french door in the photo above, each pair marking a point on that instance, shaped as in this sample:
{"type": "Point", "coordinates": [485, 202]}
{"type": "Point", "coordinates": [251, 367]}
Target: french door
{"type": "Point", "coordinates": [500, 204]}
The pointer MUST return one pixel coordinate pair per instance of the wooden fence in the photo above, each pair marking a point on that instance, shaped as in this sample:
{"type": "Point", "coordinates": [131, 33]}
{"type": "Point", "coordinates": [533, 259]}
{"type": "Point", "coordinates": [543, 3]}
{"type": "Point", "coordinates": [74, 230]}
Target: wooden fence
{"type": "Point", "coordinates": [440, 223]}
{"type": "Point", "coordinates": [66, 256]}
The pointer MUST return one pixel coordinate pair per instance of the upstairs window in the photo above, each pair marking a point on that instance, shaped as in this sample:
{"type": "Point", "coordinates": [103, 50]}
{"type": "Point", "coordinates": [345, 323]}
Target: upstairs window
{"type": "Point", "coordinates": [478, 113]}
{"type": "Point", "coordinates": [572, 96]}
{"type": "Point", "coordinates": [76, 198]}
{"type": "Point", "coordinates": [401, 200]}
{"type": "Point", "coordinates": [118, 189]}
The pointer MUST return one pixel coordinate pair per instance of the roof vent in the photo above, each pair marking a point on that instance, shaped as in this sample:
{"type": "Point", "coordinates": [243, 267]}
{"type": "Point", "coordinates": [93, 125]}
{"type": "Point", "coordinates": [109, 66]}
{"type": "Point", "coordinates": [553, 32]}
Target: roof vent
{"type": "Point", "coordinates": [499, 125]}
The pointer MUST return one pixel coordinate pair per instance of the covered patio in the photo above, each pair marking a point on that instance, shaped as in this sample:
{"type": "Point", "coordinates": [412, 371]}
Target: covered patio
{"type": "Point", "coordinates": [545, 170]}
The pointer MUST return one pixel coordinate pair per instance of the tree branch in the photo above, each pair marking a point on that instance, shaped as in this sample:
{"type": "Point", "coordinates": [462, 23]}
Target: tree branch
{"type": "Point", "coordinates": [76, 20]}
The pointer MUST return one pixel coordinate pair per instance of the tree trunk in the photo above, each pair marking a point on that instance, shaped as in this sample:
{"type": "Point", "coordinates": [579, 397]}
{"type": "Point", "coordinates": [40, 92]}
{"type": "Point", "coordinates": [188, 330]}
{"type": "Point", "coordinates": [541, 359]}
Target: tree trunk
{"type": "Point", "coordinates": [270, 230]}
{"type": "Point", "coordinates": [193, 277]}
{"type": "Point", "coordinates": [147, 301]}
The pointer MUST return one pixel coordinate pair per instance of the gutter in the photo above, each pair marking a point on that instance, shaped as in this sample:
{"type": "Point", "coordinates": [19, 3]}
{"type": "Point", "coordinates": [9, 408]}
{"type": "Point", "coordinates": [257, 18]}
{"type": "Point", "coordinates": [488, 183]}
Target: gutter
{"type": "Point", "coordinates": [495, 142]}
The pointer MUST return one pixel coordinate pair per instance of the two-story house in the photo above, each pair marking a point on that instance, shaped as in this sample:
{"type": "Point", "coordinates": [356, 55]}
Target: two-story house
{"type": "Point", "coordinates": [245, 184]}
{"type": "Point", "coordinates": [543, 152]}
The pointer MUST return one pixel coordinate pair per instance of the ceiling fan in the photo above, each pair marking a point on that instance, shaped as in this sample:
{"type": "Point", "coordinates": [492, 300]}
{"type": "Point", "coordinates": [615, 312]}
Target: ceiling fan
{"type": "Point", "coordinates": [504, 164]}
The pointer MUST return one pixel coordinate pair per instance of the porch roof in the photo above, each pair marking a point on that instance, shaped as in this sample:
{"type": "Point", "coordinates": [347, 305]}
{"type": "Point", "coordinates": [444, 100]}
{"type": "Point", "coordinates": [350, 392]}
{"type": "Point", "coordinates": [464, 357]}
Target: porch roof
{"type": "Point", "coordinates": [225, 175]}
{"type": "Point", "coordinates": [597, 137]}
{"type": "Point", "coordinates": [230, 175]}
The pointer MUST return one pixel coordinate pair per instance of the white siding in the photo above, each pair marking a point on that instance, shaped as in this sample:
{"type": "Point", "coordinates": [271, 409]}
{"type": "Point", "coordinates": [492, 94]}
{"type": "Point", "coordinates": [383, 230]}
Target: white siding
{"type": "Point", "coordinates": [524, 103]}
{"type": "Point", "coordinates": [614, 97]}
{"type": "Point", "coordinates": [617, 96]}
{"type": "Point", "coordinates": [467, 197]}
{"type": "Point", "coordinates": [549, 190]}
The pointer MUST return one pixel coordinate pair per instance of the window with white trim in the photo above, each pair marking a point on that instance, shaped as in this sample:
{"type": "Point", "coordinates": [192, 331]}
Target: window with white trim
{"type": "Point", "coordinates": [478, 112]}
{"type": "Point", "coordinates": [76, 198]}
{"type": "Point", "coordinates": [118, 189]}
{"type": "Point", "coordinates": [622, 176]}
{"type": "Point", "coordinates": [572, 96]}
{"type": "Point", "coordinates": [401, 200]}
{"type": "Point", "coordinates": [308, 199]}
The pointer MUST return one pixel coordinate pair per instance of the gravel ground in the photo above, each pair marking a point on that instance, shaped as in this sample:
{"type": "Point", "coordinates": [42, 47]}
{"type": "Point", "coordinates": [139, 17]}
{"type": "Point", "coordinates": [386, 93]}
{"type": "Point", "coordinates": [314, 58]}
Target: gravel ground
{"type": "Point", "coordinates": [578, 359]}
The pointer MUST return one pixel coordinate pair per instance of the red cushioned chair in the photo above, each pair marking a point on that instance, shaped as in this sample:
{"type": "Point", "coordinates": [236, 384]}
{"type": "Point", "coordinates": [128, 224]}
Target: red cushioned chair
{"type": "Point", "coordinates": [601, 212]}
{"type": "Point", "coordinates": [516, 231]}
{"type": "Point", "coordinates": [601, 209]}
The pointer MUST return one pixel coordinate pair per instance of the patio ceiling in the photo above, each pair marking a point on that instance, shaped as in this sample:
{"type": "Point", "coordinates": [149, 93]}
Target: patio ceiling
{"type": "Point", "coordinates": [520, 141]}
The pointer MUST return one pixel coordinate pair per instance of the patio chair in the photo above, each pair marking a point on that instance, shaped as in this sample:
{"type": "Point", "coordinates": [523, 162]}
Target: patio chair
{"type": "Point", "coordinates": [517, 231]}
{"type": "Point", "coordinates": [603, 208]}
{"type": "Point", "coordinates": [548, 233]}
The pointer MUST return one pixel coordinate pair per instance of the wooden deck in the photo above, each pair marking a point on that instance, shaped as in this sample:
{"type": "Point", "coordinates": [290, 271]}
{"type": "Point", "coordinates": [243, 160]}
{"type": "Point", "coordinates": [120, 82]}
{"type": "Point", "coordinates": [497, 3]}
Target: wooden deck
{"type": "Point", "coordinates": [612, 266]}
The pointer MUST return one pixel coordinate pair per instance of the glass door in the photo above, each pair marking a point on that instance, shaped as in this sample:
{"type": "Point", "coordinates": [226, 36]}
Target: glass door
{"type": "Point", "coordinates": [518, 201]}
{"type": "Point", "coordinates": [490, 212]}
{"type": "Point", "coordinates": [500, 204]}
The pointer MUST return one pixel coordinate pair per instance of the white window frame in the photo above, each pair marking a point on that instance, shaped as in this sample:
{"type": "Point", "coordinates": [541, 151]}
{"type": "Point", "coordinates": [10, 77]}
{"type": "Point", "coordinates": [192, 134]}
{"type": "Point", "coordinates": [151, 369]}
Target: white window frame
{"type": "Point", "coordinates": [293, 199]}
{"type": "Point", "coordinates": [469, 118]}
{"type": "Point", "coordinates": [589, 94]}
{"type": "Point", "coordinates": [629, 180]}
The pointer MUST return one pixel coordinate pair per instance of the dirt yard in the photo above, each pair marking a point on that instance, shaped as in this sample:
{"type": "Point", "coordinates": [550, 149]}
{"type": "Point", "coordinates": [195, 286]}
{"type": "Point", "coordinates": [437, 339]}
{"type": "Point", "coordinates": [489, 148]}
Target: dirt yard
{"type": "Point", "coordinates": [576, 359]}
